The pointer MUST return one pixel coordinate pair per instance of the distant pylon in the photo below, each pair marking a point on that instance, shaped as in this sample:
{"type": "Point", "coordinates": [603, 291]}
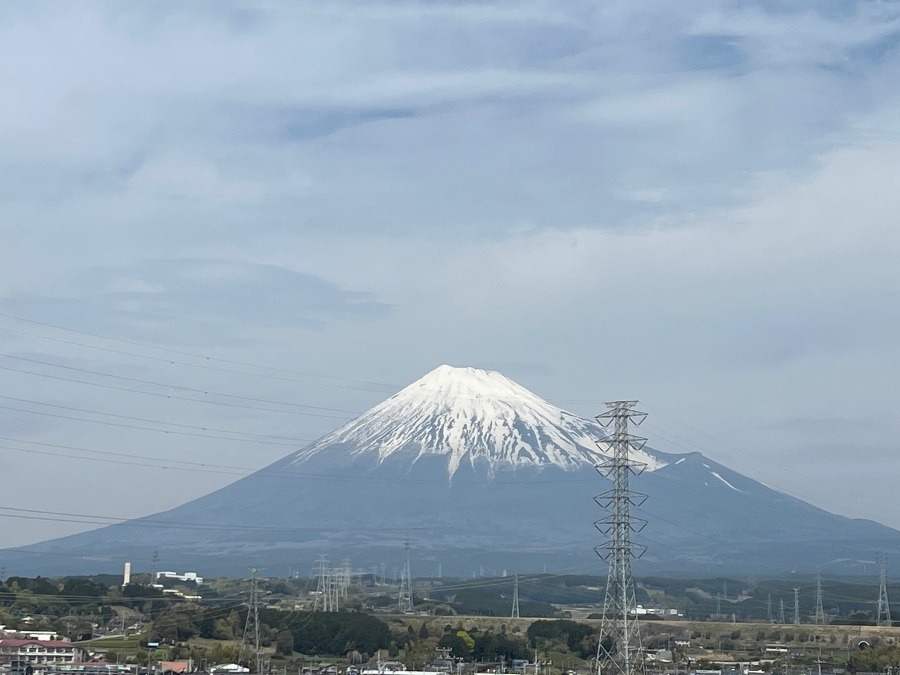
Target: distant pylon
{"type": "Point", "coordinates": [346, 572]}
{"type": "Point", "coordinates": [515, 607]}
{"type": "Point", "coordinates": [405, 601]}
{"type": "Point", "coordinates": [769, 608]}
{"type": "Point", "coordinates": [321, 584]}
{"type": "Point", "coordinates": [781, 618]}
{"type": "Point", "coordinates": [251, 629]}
{"type": "Point", "coordinates": [796, 606]}
{"type": "Point", "coordinates": [333, 589]}
{"type": "Point", "coordinates": [883, 615]}
{"type": "Point", "coordinates": [619, 647]}
{"type": "Point", "coordinates": [820, 611]}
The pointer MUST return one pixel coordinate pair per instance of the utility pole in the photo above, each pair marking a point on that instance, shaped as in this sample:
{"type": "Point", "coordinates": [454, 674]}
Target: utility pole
{"type": "Point", "coordinates": [251, 627]}
{"type": "Point", "coordinates": [820, 611]}
{"type": "Point", "coordinates": [619, 647]}
{"type": "Point", "coordinates": [405, 601]}
{"type": "Point", "coordinates": [796, 606]}
{"type": "Point", "coordinates": [781, 618]}
{"type": "Point", "coordinates": [515, 607]}
{"type": "Point", "coordinates": [883, 615]}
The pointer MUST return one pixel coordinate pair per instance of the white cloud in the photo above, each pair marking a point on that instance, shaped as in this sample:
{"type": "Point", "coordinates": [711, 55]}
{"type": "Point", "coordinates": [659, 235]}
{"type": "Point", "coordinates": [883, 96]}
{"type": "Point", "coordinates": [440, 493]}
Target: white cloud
{"type": "Point", "coordinates": [691, 202]}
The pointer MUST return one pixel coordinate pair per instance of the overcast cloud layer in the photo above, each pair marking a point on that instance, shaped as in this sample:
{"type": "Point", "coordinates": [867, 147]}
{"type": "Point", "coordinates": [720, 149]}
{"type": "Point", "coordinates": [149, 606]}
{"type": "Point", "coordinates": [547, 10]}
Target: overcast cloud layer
{"type": "Point", "coordinates": [692, 204]}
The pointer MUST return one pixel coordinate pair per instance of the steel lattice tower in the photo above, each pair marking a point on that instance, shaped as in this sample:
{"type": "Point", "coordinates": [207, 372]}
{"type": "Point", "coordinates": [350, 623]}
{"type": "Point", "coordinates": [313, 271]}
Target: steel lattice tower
{"type": "Point", "coordinates": [820, 611]}
{"type": "Point", "coordinates": [251, 628]}
{"type": "Point", "coordinates": [321, 600]}
{"type": "Point", "coordinates": [883, 615]}
{"type": "Point", "coordinates": [619, 648]}
{"type": "Point", "coordinates": [405, 601]}
{"type": "Point", "coordinates": [796, 606]}
{"type": "Point", "coordinates": [515, 606]}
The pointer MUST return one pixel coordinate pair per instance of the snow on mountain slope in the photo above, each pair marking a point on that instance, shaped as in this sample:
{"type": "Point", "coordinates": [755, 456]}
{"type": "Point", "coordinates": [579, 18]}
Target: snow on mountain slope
{"type": "Point", "coordinates": [364, 489]}
{"type": "Point", "coordinates": [471, 415]}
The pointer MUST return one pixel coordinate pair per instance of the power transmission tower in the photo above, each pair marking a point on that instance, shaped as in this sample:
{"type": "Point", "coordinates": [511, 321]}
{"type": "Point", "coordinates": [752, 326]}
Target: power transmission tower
{"type": "Point", "coordinates": [820, 611]}
{"type": "Point", "coordinates": [619, 648]}
{"type": "Point", "coordinates": [796, 606]}
{"type": "Point", "coordinates": [321, 573]}
{"type": "Point", "coordinates": [405, 601]}
{"type": "Point", "coordinates": [883, 615]}
{"type": "Point", "coordinates": [781, 618]}
{"type": "Point", "coordinates": [333, 589]}
{"type": "Point", "coordinates": [769, 608]}
{"type": "Point", "coordinates": [345, 577]}
{"type": "Point", "coordinates": [251, 628]}
{"type": "Point", "coordinates": [515, 607]}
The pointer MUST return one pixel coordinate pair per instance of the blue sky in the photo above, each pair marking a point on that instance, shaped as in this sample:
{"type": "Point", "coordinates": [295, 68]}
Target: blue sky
{"type": "Point", "coordinates": [692, 204]}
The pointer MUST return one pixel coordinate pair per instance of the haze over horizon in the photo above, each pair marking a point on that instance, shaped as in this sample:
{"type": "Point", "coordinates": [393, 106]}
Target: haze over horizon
{"type": "Point", "coordinates": [229, 228]}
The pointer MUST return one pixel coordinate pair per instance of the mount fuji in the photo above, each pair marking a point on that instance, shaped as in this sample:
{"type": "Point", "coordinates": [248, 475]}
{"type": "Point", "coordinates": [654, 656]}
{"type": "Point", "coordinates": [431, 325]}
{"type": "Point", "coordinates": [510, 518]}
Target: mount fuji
{"type": "Point", "coordinates": [477, 472]}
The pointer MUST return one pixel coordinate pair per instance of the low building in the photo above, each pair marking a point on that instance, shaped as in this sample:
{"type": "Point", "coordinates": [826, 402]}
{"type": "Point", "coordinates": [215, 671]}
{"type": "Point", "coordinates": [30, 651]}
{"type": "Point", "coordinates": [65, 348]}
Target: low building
{"type": "Point", "coordinates": [174, 576]}
{"type": "Point", "coordinates": [55, 652]}
{"type": "Point", "coordinates": [41, 635]}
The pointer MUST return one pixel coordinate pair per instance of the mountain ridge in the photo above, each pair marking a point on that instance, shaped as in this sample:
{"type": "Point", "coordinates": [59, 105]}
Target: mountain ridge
{"type": "Point", "coordinates": [511, 488]}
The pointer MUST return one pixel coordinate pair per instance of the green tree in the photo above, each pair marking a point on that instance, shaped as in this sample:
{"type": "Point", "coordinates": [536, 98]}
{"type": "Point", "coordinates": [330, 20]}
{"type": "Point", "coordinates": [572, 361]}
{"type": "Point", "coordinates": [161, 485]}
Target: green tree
{"type": "Point", "coordinates": [174, 625]}
{"type": "Point", "coordinates": [458, 646]}
{"type": "Point", "coordinates": [223, 629]}
{"type": "Point", "coordinates": [284, 643]}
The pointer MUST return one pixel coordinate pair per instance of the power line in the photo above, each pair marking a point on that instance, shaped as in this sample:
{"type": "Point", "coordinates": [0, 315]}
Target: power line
{"type": "Point", "coordinates": [164, 431]}
{"type": "Point", "coordinates": [92, 519]}
{"type": "Point", "coordinates": [208, 467]}
{"type": "Point", "coordinates": [148, 420]}
{"type": "Point", "coordinates": [169, 350]}
{"type": "Point", "coordinates": [166, 385]}
{"type": "Point", "coordinates": [175, 397]}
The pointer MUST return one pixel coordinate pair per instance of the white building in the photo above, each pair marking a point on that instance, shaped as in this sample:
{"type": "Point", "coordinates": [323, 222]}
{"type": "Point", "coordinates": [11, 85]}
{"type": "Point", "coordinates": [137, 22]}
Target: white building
{"type": "Point", "coordinates": [40, 651]}
{"type": "Point", "coordinates": [187, 576]}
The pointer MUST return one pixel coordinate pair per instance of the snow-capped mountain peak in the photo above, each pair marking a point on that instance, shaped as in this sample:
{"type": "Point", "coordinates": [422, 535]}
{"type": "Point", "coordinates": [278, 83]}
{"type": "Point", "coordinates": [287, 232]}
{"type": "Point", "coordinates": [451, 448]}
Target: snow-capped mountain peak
{"type": "Point", "coordinates": [470, 416]}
